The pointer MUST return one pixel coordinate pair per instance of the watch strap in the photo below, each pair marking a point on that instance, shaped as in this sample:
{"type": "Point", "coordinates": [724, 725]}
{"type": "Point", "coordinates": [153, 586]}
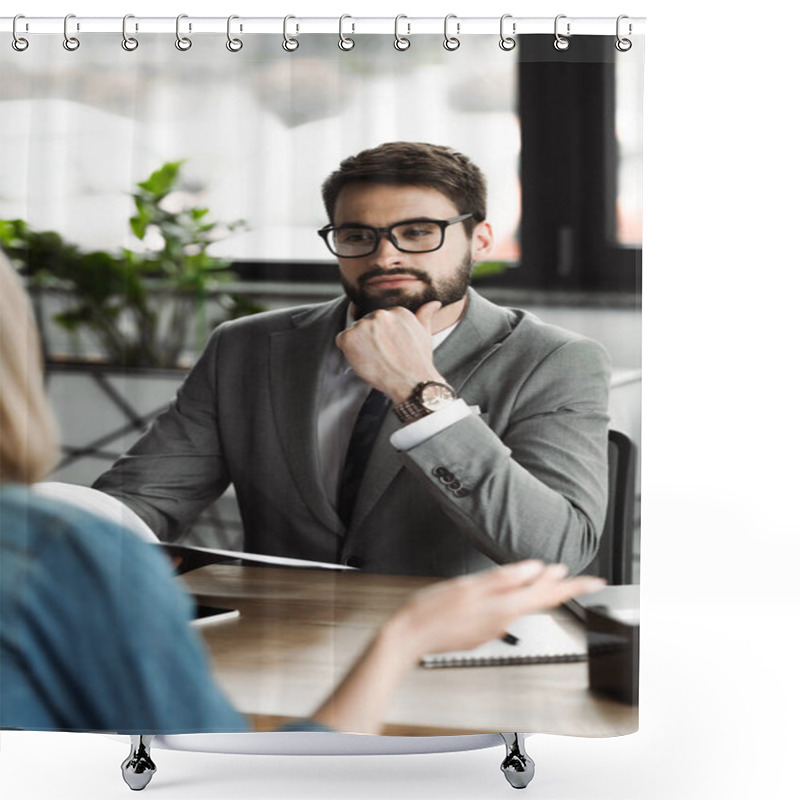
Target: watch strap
{"type": "Point", "coordinates": [410, 411]}
{"type": "Point", "coordinates": [413, 409]}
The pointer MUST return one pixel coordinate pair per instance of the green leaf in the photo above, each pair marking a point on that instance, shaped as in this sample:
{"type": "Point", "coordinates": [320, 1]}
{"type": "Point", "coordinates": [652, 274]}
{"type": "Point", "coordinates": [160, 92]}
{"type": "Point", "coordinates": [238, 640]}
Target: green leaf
{"type": "Point", "coordinates": [487, 268]}
{"type": "Point", "coordinates": [162, 181]}
{"type": "Point", "coordinates": [138, 226]}
{"type": "Point", "coordinates": [104, 289]}
{"type": "Point", "coordinates": [12, 231]}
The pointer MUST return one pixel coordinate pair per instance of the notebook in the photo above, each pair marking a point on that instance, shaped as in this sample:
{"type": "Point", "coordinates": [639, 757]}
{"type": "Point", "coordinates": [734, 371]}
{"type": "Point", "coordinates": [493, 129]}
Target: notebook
{"type": "Point", "coordinates": [541, 639]}
{"type": "Point", "coordinates": [618, 602]}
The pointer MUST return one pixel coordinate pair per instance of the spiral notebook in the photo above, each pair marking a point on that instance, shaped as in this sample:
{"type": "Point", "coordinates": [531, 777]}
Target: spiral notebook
{"type": "Point", "coordinates": [542, 639]}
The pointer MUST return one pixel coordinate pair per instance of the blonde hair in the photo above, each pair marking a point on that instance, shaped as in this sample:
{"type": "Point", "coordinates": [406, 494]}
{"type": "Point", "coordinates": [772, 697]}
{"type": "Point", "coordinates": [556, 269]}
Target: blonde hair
{"type": "Point", "coordinates": [28, 432]}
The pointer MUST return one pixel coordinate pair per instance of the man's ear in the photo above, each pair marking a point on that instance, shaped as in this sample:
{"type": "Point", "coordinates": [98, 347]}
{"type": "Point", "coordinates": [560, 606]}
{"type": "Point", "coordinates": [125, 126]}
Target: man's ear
{"type": "Point", "coordinates": [482, 241]}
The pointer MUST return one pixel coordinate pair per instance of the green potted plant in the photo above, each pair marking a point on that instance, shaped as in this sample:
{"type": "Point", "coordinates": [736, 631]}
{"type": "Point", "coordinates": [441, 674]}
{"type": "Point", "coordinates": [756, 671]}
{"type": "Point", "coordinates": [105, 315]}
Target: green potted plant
{"type": "Point", "coordinates": [139, 310]}
{"type": "Point", "coordinates": [140, 307]}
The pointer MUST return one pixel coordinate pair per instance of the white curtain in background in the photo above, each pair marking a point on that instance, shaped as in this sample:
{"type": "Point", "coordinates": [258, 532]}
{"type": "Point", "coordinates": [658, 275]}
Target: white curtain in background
{"type": "Point", "coordinates": [259, 129]}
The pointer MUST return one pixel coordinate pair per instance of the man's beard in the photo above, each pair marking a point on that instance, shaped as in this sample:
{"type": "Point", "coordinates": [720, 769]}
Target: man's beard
{"type": "Point", "coordinates": [448, 291]}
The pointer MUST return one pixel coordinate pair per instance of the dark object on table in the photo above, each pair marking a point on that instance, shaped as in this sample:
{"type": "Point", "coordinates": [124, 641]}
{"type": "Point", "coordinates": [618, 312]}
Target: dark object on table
{"type": "Point", "coordinates": [612, 631]}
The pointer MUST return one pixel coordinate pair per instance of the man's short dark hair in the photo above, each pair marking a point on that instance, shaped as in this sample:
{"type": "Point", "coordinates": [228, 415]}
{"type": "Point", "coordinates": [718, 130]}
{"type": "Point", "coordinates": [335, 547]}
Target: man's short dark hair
{"type": "Point", "coordinates": [414, 164]}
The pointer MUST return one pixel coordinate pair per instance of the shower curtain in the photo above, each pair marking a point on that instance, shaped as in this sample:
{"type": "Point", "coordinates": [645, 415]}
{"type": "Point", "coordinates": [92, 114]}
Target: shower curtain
{"type": "Point", "coordinates": [188, 164]}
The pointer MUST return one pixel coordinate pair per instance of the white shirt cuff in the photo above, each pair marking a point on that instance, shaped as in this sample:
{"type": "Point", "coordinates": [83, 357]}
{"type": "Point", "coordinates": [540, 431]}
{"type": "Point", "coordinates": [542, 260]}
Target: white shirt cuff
{"type": "Point", "coordinates": [423, 429]}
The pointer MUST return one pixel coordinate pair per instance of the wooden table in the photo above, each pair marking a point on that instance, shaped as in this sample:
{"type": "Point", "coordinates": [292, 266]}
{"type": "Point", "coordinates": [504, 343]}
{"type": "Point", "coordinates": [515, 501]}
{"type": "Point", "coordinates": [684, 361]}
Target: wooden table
{"type": "Point", "coordinates": [301, 629]}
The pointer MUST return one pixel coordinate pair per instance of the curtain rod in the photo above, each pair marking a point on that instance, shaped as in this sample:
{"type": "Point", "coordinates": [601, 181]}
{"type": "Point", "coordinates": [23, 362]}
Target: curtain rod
{"type": "Point", "coordinates": [348, 25]}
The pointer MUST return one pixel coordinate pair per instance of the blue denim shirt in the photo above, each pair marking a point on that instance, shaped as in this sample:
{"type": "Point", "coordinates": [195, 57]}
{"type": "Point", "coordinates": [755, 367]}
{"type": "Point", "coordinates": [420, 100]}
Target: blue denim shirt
{"type": "Point", "coordinates": [94, 632]}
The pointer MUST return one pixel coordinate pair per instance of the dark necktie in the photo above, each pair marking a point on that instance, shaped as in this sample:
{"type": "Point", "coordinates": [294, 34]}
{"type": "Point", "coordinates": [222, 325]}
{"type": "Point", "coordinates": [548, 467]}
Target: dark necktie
{"type": "Point", "coordinates": [362, 439]}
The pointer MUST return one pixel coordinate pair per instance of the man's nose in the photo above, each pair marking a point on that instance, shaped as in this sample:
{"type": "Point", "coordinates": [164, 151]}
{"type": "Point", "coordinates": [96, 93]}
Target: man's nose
{"type": "Point", "coordinates": [386, 251]}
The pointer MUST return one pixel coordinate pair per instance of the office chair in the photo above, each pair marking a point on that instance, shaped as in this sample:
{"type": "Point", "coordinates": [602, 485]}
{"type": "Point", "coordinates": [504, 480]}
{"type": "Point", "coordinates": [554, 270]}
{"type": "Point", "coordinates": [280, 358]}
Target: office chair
{"type": "Point", "coordinates": [614, 558]}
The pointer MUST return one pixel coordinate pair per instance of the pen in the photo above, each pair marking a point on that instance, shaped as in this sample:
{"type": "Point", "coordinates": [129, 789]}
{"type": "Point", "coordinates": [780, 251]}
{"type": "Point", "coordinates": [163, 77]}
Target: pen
{"type": "Point", "coordinates": [509, 638]}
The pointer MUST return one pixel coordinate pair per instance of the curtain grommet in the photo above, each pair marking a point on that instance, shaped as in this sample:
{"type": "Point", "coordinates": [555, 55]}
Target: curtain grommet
{"type": "Point", "coordinates": [451, 43]}
{"type": "Point", "coordinates": [233, 44]}
{"type": "Point", "coordinates": [345, 42]}
{"type": "Point", "coordinates": [561, 43]}
{"type": "Point", "coordinates": [129, 43]}
{"type": "Point", "coordinates": [289, 43]}
{"type": "Point", "coordinates": [401, 43]}
{"type": "Point", "coordinates": [71, 43]}
{"type": "Point", "coordinates": [623, 44]}
{"type": "Point", "coordinates": [19, 43]}
{"type": "Point", "coordinates": [506, 42]}
{"type": "Point", "coordinates": [183, 43]}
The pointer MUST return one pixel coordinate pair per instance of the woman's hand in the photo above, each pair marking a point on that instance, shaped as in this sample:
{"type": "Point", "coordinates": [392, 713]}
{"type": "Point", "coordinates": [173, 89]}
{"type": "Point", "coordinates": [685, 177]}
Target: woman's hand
{"type": "Point", "coordinates": [451, 615]}
{"type": "Point", "coordinates": [462, 613]}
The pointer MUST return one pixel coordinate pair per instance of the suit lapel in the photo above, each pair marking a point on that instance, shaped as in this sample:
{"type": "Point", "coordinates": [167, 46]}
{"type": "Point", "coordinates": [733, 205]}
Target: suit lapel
{"type": "Point", "coordinates": [296, 364]}
{"type": "Point", "coordinates": [477, 336]}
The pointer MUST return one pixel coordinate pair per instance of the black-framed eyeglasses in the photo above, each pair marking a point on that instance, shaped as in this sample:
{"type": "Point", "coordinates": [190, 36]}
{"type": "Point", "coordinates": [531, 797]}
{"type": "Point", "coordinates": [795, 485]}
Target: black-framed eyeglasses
{"type": "Point", "coordinates": [409, 236]}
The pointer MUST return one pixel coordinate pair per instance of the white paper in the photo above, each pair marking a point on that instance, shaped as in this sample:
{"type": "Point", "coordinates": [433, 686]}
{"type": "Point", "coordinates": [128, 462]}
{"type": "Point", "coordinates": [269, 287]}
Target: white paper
{"type": "Point", "coordinates": [257, 558]}
{"type": "Point", "coordinates": [541, 638]}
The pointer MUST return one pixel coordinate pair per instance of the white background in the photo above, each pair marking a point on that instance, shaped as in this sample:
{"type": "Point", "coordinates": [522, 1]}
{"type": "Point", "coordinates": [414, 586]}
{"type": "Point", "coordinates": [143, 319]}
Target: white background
{"type": "Point", "coordinates": [720, 548]}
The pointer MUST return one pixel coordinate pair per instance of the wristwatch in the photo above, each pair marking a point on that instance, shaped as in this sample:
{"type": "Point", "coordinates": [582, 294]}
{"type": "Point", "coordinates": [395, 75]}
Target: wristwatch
{"type": "Point", "coordinates": [427, 397]}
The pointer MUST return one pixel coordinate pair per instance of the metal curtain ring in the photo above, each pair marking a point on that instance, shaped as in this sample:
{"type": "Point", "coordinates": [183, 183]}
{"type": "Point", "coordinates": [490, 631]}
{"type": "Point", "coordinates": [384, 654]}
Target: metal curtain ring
{"type": "Point", "coordinates": [19, 43]}
{"type": "Point", "coordinates": [183, 43]}
{"type": "Point", "coordinates": [233, 44]}
{"type": "Point", "coordinates": [400, 42]}
{"type": "Point", "coordinates": [506, 42]}
{"type": "Point", "coordinates": [129, 43]}
{"type": "Point", "coordinates": [345, 43]}
{"type": "Point", "coordinates": [623, 45]}
{"type": "Point", "coordinates": [289, 44]}
{"type": "Point", "coordinates": [561, 42]}
{"type": "Point", "coordinates": [451, 42]}
{"type": "Point", "coordinates": [70, 42]}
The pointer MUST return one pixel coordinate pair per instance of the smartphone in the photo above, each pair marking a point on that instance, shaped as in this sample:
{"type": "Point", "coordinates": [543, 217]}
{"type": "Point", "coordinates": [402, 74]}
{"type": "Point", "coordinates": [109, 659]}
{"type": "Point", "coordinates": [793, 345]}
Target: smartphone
{"type": "Point", "coordinates": [203, 615]}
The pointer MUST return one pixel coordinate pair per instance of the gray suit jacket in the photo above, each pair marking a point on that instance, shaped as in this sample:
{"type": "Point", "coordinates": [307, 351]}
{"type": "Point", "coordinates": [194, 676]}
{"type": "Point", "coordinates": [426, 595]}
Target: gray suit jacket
{"type": "Point", "coordinates": [531, 468]}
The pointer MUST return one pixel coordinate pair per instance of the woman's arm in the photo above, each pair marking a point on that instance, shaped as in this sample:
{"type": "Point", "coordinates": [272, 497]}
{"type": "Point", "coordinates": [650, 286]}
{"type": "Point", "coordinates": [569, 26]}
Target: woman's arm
{"type": "Point", "coordinates": [451, 615]}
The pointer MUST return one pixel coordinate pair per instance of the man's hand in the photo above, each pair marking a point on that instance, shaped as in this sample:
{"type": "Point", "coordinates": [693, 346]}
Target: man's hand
{"type": "Point", "coordinates": [392, 349]}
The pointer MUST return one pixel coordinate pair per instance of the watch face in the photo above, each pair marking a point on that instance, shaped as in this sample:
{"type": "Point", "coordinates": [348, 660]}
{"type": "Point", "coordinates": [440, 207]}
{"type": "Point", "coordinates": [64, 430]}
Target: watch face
{"type": "Point", "coordinates": [434, 396]}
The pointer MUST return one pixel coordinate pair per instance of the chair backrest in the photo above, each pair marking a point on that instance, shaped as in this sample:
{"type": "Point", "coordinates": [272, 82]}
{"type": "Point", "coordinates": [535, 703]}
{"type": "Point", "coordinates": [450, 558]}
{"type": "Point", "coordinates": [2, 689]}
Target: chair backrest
{"type": "Point", "coordinates": [614, 559]}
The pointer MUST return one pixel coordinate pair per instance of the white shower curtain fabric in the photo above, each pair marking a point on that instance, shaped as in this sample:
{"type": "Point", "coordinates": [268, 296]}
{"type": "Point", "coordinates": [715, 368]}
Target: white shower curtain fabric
{"type": "Point", "coordinates": [249, 137]}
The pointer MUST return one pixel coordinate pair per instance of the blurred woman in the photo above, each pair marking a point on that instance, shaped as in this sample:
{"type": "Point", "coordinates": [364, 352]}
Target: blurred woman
{"type": "Point", "coordinates": [94, 630]}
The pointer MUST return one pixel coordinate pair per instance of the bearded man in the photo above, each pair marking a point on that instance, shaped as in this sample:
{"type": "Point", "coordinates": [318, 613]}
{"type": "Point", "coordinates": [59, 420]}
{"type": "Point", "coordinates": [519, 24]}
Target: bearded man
{"type": "Point", "coordinates": [409, 426]}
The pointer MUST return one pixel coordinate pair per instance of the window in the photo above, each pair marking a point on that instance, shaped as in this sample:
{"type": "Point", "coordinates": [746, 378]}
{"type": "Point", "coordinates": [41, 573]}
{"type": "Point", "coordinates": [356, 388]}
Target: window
{"type": "Point", "coordinates": [579, 232]}
{"type": "Point", "coordinates": [557, 133]}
